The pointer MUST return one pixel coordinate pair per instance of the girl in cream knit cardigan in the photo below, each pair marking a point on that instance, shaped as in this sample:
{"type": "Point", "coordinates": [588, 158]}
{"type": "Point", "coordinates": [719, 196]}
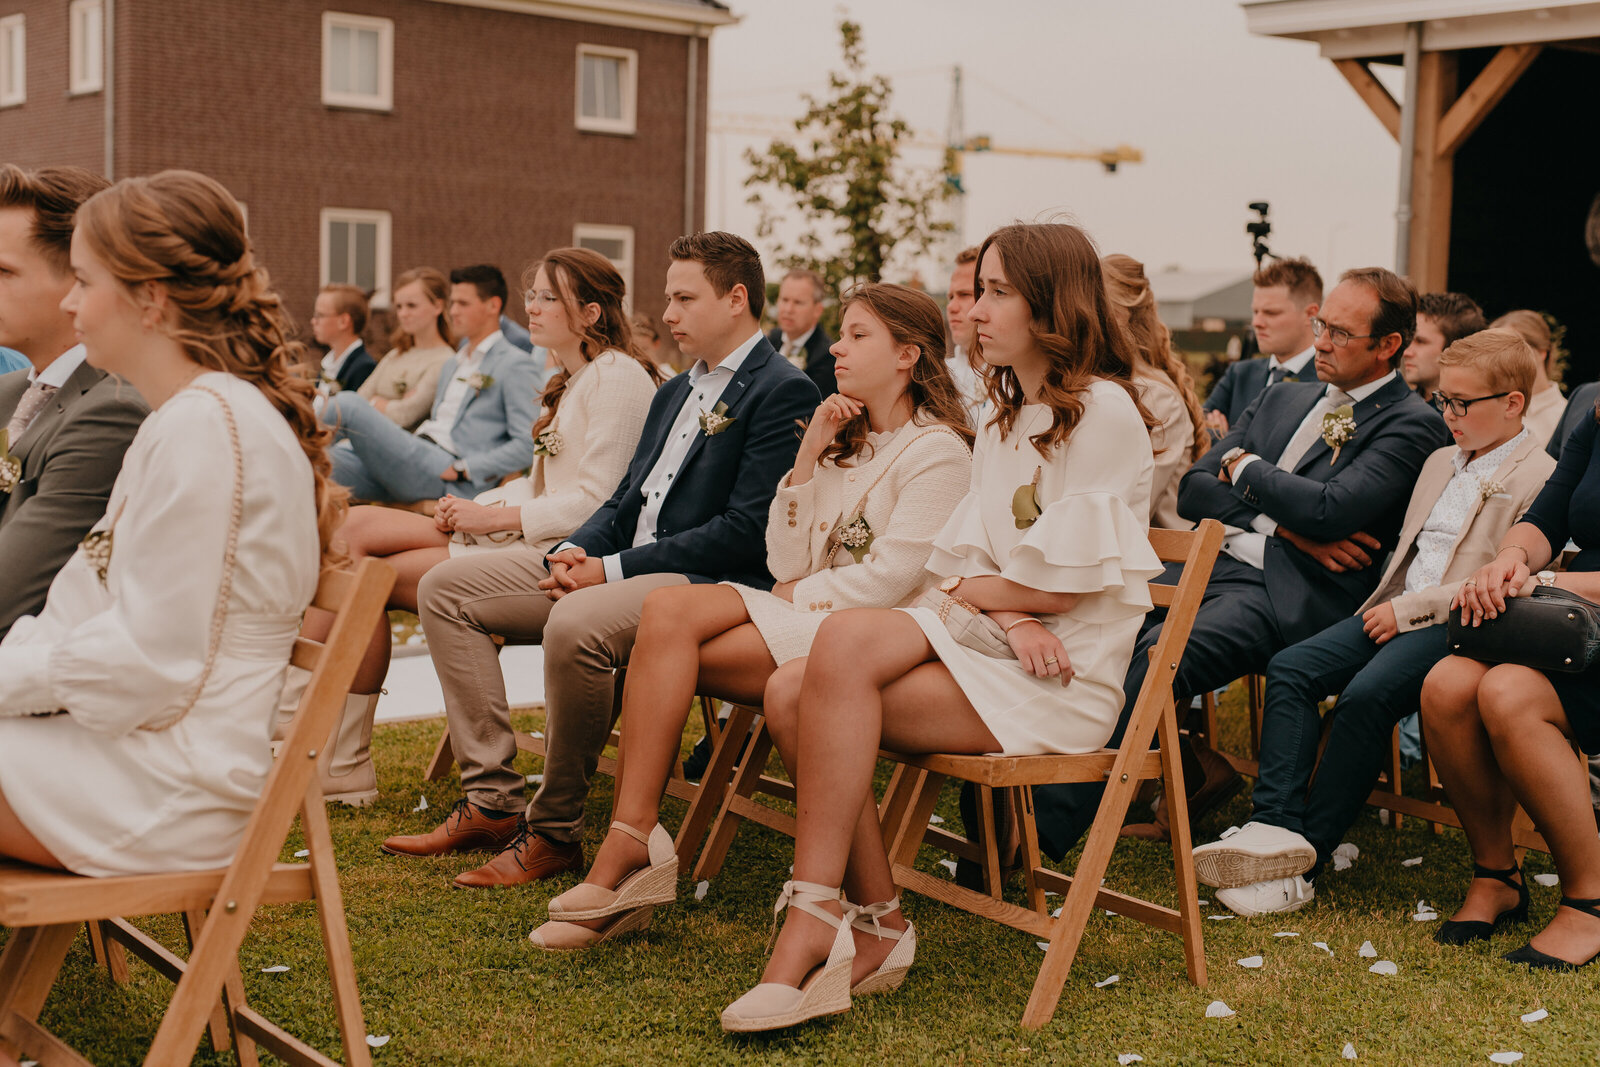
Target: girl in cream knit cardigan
{"type": "Point", "coordinates": [879, 470]}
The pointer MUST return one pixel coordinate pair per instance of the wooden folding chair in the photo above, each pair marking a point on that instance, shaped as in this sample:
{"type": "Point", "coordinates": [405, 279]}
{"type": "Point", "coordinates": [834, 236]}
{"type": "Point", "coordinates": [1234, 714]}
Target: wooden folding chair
{"type": "Point", "coordinates": [44, 908]}
{"type": "Point", "coordinates": [1122, 769]}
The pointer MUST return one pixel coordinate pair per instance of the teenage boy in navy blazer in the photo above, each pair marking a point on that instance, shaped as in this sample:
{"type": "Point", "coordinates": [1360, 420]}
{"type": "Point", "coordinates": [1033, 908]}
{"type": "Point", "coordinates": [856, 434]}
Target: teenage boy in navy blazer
{"type": "Point", "coordinates": [338, 319]}
{"type": "Point", "coordinates": [1287, 295]}
{"type": "Point", "coordinates": [692, 507]}
{"type": "Point", "coordinates": [1313, 483]}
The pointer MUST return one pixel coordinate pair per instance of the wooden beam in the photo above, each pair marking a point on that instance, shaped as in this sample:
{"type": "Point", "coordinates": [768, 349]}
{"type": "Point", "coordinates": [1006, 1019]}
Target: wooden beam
{"type": "Point", "coordinates": [1370, 89]}
{"type": "Point", "coordinates": [1431, 175]}
{"type": "Point", "coordinates": [1480, 98]}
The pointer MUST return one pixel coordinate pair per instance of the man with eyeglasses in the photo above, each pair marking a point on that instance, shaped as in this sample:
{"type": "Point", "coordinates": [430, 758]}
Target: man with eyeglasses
{"type": "Point", "coordinates": [1312, 483]}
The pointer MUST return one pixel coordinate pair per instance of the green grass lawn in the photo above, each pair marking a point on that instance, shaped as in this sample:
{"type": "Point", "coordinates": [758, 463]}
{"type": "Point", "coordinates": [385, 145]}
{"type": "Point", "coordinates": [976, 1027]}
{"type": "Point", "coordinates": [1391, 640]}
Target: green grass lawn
{"type": "Point", "coordinates": [450, 977]}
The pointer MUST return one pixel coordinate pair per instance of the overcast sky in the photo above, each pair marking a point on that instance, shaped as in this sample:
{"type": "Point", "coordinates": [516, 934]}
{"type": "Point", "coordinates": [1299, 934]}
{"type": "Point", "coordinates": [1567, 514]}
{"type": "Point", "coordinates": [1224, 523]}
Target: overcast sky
{"type": "Point", "coordinates": [1222, 116]}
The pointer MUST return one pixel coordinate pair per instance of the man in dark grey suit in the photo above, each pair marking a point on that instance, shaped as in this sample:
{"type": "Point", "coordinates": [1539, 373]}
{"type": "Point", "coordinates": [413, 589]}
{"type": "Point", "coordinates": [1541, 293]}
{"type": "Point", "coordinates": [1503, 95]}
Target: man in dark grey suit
{"type": "Point", "coordinates": [799, 336]}
{"type": "Point", "coordinates": [1287, 295]}
{"type": "Point", "coordinates": [66, 425]}
{"type": "Point", "coordinates": [1313, 483]}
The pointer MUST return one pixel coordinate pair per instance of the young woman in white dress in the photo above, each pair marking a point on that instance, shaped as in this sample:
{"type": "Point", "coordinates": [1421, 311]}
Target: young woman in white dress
{"type": "Point", "coordinates": [135, 708]}
{"type": "Point", "coordinates": [880, 467]}
{"type": "Point", "coordinates": [1044, 567]}
{"type": "Point", "coordinates": [1165, 388]}
{"type": "Point", "coordinates": [594, 410]}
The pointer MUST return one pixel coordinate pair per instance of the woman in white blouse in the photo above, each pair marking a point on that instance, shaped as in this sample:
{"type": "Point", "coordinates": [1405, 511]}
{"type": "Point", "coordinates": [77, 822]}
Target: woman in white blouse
{"type": "Point", "coordinates": [593, 413]}
{"type": "Point", "coordinates": [135, 708]}
{"type": "Point", "coordinates": [880, 467]}
{"type": "Point", "coordinates": [1023, 649]}
{"type": "Point", "coordinates": [1165, 388]}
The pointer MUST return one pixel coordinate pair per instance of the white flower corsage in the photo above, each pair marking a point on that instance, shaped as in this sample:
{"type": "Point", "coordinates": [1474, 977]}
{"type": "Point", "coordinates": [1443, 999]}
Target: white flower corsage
{"type": "Point", "coordinates": [477, 382]}
{"type": "Point", "coordinates": [1338, 429]}
{"type": "Point", "coordinates": [10, 466]}
{"type": "Point", "coordinates": [330, 385]}
{"type": "Point", "coordinates": [716, 420]}
{"type": "Point", "coordinates": [96, 548]}
{"type": "Point", "coordinates": [549, 444]}
{"type": "Point", "coordinates": [856, 537]}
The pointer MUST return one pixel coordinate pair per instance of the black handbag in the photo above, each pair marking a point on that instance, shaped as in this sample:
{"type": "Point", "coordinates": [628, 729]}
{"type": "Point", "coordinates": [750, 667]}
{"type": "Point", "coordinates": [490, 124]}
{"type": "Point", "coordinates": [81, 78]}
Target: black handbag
{"type": "Point", "coordinates": [1551, 630]}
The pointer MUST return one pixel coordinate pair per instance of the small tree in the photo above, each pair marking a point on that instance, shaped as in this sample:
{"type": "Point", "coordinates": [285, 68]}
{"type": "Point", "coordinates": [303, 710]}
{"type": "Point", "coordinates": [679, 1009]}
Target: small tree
{"type": "Point", "coordinates": [860, 205]}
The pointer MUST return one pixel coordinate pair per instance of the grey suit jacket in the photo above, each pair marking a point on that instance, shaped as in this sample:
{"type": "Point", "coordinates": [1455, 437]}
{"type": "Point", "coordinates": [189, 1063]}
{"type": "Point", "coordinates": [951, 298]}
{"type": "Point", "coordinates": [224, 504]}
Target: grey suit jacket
{"type": "Point", "coordinates": [70, 456]}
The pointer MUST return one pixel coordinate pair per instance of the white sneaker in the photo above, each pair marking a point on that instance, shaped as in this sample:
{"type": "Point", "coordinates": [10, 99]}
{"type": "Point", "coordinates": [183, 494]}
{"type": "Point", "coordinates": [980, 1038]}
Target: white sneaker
{"type": "Point", "coordinates": [1254, 852]}
{"type": "Point", "coordinates": [1265, 898]}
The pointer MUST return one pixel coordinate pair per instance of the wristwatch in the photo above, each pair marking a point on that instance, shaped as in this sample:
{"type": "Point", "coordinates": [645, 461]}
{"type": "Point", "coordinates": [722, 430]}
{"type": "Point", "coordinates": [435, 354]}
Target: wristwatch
{"type": "Point", "coordinates": [460, 467]}
{"type": "Point", "coordinates": [1229, 457]}
{"type": "Point", "coordinates": [1546, 578]}
{"type": "Point", "coordinates": [948, 585]}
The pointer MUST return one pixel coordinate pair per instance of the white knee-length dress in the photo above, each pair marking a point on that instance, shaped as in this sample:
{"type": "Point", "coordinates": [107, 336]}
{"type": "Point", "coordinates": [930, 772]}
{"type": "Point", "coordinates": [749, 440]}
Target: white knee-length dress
{"type": "Point", "coordinates": [1091, 539]}
{"type": "Point", "coordinates": [905, 491]}
{"type": "Point", "coordinates": [113, 653]}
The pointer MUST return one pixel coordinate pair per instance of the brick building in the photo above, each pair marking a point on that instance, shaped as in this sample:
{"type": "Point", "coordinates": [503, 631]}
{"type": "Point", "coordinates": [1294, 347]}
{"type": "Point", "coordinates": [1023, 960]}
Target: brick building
{"type": "Point", "coordinates": [366, 137]}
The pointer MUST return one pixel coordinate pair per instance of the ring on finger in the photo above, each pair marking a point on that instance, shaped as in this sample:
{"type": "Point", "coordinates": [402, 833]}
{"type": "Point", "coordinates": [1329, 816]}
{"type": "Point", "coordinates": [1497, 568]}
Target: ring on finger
{"type": "Point", "coordinates": [1050, 659]}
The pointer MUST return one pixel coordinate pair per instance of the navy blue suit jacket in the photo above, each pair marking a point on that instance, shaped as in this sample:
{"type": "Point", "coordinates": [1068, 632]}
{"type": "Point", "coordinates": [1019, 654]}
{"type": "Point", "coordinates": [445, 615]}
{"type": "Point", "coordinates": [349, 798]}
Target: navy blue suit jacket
{"type": "Point", "coordinates": [1366, 489]}
{"type": "Point", "coordinates": [1243, 381]}
{"type": "Point", "coordinates": [819, 358]}
{"type": "Point", "coordinates": [713, 523]}
{"type": "Point", "coordinates": [356, 368]}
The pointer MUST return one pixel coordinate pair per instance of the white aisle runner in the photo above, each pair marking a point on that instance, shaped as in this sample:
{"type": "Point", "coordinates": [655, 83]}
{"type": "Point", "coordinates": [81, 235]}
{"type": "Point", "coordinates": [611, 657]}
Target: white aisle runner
{"type": "Point", "coordinates": [412, 688]}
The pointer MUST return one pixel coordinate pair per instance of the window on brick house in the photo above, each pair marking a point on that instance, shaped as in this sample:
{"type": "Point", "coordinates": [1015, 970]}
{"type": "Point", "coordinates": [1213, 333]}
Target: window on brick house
{"type": "Point", "coordinates": [357, 61]}
{"type": "Point", "coordinates": [607, 89]}
{"type": "Point", "coordinates": [613, 242]}
{"type": "Point", "coordinates": [13, 61]}
{"type": "Point", "coordinates": [86, 43]}
{"type": "Point", "coordinates": [355, 251]}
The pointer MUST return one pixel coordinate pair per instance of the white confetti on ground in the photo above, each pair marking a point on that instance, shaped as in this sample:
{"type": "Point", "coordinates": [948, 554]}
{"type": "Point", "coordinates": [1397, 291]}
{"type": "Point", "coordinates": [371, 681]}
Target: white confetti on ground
{"type": "Point", "coordinates": [1051, 893]}
{"type": "Point", "coordinates": [1366, 951]}
{"type": "Point", "coordinates": [422, 804]}
{"type": "Point", "coordinates": [377, 1041]}
{"type": "Point", "coordinates": [935, 820]}
{"type": "Point", "coordinates": [539, 734]}
{"type": "Point", "coordinates": [1251, 962]}
{"type": "Point", "coordinates": [536, 779]}
{"type": "Point", "coordinates": [1056, 914]}
{"type": "Point", "coordinates": [1504, 1057]}
{"type": "Point", "coordinates": [1384, 967]}
{"type": "Point", "coordinates": [1218, 1010]}
{"type": "Point", "coordinates": [276, 968]}
{"type": "Point", "coordinates": [1344, 856]}
{"type": "Point", "coordinates": [1425, 912]}
{"type": "Point", "coordinates": [1044, 946]}
{"type": "Point", "coordinates": [1547, 879]}
{"type": "Point", "coordinates": [1535, 1016]}
{"type": "Point", "coordinates": [1204, 903]}
{"type": "Point", "coordinates": [1323, 945]}
{"type": "Point", "coordinates": [302, 854]}
{"type": "Point", "coordinates": [1218, 918]}
{"type": "Point", "coordinates": [1111, 914]}
{"type": "Point", "coordinates": [1125, 1058]}
{"type": "Point", "coordinates": [1113, 980]}
{"type": "Point", "coordinates": [949, 865]}
{"type": "Point", "coordinates": [701, 889]}
{"type": "Point", "coordinates": [1285, 933]}
{"type": "Point", "coordinates": [1349, 1051]}
{"type": "Point", "coordinates": [1414, 861]}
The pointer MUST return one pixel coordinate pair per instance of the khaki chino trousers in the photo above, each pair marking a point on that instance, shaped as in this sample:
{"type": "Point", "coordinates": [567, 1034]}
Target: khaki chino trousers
{"type": "Point", "coordinates": [587, 636]}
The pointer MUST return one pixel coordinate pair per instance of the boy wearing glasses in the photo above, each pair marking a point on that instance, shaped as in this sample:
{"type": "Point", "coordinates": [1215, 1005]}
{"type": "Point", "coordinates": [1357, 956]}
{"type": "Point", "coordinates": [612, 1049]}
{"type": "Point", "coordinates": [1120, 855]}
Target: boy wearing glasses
{"type": "Point", "coordinates": [1467, 496]}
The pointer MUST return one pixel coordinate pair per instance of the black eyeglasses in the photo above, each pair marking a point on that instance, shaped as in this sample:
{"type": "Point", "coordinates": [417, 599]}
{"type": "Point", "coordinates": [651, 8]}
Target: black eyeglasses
{"type": "Point", "coordinates": [1338, 334]}
{"type": "Point", "coordinates": [1456, 405]}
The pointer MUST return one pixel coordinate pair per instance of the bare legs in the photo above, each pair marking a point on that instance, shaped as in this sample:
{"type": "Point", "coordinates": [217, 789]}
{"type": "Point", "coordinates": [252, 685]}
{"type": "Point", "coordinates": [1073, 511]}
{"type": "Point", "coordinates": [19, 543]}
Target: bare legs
{"type": "Point", "coordinates": [849, 705]}
{"type": "Point", "coordinates": [17, 843]}
{"type": "Point", "coordinates": [1498, 736]}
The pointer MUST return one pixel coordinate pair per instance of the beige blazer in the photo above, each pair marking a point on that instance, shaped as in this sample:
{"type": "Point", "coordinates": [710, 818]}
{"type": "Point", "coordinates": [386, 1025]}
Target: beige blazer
{"type": "Point", "coordinates": [1522, 475]}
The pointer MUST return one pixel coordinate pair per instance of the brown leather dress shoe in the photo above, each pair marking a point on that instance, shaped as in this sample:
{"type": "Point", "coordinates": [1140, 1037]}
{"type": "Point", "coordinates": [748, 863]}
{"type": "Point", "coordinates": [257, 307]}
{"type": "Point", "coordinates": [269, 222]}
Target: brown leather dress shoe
{"type": "Point", "coordinates": [529, 858]}
{"type": "Point", "coordinates": [465, 829]}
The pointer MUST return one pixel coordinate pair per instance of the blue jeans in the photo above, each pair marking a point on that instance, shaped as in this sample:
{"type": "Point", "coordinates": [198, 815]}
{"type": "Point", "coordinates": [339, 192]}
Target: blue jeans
{"type": "Point", "coordinates": [1378, 687]}
{"type": "Point", "coordinates": [377, 460]}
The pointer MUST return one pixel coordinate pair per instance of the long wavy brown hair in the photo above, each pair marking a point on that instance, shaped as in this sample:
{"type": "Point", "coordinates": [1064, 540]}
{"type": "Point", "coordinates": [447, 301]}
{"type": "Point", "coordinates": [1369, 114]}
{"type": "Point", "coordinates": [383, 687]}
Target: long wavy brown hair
{"type": "Point", "coordinates": [578, 277]}
{"type": "Point", "coordinates": [437, 286]}
{"type": "Point", "coordinates": [1055, 267]}
{"type": "Point", "coordinates": [1128, 289]}
{"type": "Point", "coordinates": [185, 232]}
{"type": "Point", "coordinates": [914, 318]}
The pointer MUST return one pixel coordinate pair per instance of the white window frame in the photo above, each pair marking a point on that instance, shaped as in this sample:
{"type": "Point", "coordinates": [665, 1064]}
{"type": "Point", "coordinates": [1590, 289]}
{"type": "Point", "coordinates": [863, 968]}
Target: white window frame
{"type": "Point", "coordinates": [602, 232]}
{"type": "Point", "coordinates": [358, 216]}
{"type": "Point", "coordinates": [383, 99]}
{"type": "Point", "coordinates": [13, 60]}
{"type": "Point", "coordinates": [629, 122]}
{"type": "Point", "coordinates": [86, 47]}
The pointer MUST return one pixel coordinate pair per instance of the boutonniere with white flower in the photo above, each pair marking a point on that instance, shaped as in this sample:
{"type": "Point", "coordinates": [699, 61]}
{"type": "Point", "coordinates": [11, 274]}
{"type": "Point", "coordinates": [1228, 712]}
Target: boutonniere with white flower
{"type": "Point", "coordinates": [856, 537]}
{"type": "Point", "coordinates": [1486, 490]}
{"type": "Point", "coordinates": [549, 444]}
{"type": "Point", "coordinates": [96, 548]}
{"type": "Point", "coordinates": [10, 466]}
{"type": "Point", "coordinates": [716, 420]}
{"type": "Point", "coordinates": [401, 386]}
{"type": "Point", "coordinates": [1338, 429]}
{"type": "Point", "coordinates": [477, 382]}
{"type": "Point", "coordinates": [330, 385]}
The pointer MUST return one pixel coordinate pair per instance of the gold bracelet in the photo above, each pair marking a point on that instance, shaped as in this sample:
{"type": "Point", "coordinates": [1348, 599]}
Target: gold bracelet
{"type": "Point", "coordinates": [1025, 618]}
{"type": "Point", "coordinates": [1527, 557]}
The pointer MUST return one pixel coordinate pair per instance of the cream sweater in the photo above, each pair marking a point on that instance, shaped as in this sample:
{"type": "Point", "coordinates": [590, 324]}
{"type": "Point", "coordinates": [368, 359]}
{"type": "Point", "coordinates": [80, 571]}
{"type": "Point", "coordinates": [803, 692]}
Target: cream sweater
{"type": "Point", "coordinates": [925, 470]}
{"type": "Point", "coordinates": [407, 380]}
{"type": "Point", "coordinates": [1173, 441]}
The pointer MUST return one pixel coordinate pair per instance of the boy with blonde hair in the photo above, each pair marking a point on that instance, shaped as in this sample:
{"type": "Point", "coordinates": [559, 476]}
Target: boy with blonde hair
{"type": "Point", "coordinates": [1467, 496]}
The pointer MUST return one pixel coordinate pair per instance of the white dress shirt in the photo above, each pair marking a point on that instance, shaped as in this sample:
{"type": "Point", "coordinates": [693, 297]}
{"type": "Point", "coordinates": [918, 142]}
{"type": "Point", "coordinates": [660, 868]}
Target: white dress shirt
{"type": "Point", "coordinates": [332, 364]}
{"type": "Point", "coordinates": [1453, 510]}
{"type": "Point", "coordinates": [1295, 364]}
{"type": "Point", "coordinates": [64, 367]}
{"type": "Point", "coordinates": [1250, 546]}
{"type": "Point", "coordinates": [438, 428]}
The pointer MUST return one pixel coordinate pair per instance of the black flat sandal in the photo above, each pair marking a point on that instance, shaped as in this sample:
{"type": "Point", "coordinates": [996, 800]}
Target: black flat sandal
{"type": "Point", "coordinates": [1467, 931]}
{"type": "Point", "coordinates": [1539, 961]}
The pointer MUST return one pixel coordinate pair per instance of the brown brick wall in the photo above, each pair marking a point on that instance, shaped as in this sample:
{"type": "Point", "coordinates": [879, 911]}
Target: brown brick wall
{"type": "Point", "coordinates": [51, 127]}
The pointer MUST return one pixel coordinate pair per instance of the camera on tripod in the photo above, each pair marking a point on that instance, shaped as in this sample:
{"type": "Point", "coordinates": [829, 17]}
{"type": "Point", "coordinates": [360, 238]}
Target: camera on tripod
{"type": "Point", "coordinates": [1259, 229]}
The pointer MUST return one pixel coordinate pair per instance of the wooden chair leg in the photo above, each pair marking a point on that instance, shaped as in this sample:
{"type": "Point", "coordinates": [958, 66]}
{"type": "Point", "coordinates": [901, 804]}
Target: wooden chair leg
{"type": "Point", "coordinates": [217, 1026]}
{"type": "Point", "coordinates": [28, 968]}
{"type": "Point", "coordinates": [1255, 686]}
{"type": "Point", "coordinates": [107, 953]}
{"type": "Point", "coordinates": [1032, 860]}
{"type": "Point", "coordinates": [714, 783]}
{"type": "Point", "coordinates": [1396, 786]}
{"type": "Point", "coordinates": [726, 824]}
{"type": "Point", "coordinates": [925, 797]}
{"type": "Point", "coordinates": [896, 798]}
{"type": "Point", "coordinates": [335, 932]}
{"type": "Point", "coordinates": [990, 831]}
{"type": "Point", "coordinates": [244, 1046]}
{"type": "Point", "coordinates": [444, 757]}
{"type": "Point", "coordinates": [1189, 921]}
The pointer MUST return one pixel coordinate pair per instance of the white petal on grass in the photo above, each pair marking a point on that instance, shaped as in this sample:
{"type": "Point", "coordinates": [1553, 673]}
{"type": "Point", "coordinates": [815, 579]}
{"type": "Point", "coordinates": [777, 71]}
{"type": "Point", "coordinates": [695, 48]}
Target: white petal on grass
{"type": "Point", "coordinates": [1349, 1051]}
{"type": "Point", "coordinates": [1535, 1016]}
{"type": "Point", "coordinates": [700, 889]}
{"type": "Point", "coordinates": [1204, 903]}
{"type": "Point", "coordinates": [1056, 914]}
{"type": "Point", "coordinates": [1547, 879]}
{"type": "Point", "coordinates": [949, 865]}
{"type": "Point", "coordinates": [1251, 962]}
{"type": "Point", "coordinates": [1111, 914]}
{"type": "Point", "coordinates": [1414, 861]}
{"type": "Point", "coordinates": [1285, 933]}
{"type": "Point", "coordinates": [935, 820]}
{"type": "Point", "coordinates": [377, 1040]}
{"type": "Point", "coordinates": [1125, 1058]}
{"type": "Point", "coordinates": [1366, 951]}
{"type": "Point", "coordinates": [1424, 916]}
{"type": "Point", "coordinates": [1504, 1057]}
{"type": "Point", "coordinates": [302, 854]}
{"type": "Point", "coordinates": [1044, 946]}
{"type": "Point", "coordinates": [536, 779]}
{"type": "Point", "coordinates": [422, 804]}
{"type": "Point", "coordinates": [276, 968]}
{"type": "Point", "coordinates": [1051, 893]}
{"type": "Point", "coordinates": [539, 734]}
{"type": "Point", "coordinates": [1323, 945]}
{"type": "Point", "coordinates": [1219, 918]}
{"type": "Point", "coordinates": [1344, 856]}
{"type": "Point", "coordinates": [1113, 980]}
{"type": "Point", "coordinates": [1384, 967]}
{"type": "Point", "coordinates": [1218, 1010]}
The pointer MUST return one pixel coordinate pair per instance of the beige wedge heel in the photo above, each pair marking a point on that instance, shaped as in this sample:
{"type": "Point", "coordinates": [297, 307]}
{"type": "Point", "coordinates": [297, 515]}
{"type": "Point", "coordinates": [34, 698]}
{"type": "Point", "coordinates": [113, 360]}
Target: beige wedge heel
{"type": "Point", "coordinates": [645, 887]}
{"type": "Point", "coordinates": [825, 991]}
{"type": "Point", "coordinates": [556, 936]}
{"type": "Point", "coordinates": [892, 971]}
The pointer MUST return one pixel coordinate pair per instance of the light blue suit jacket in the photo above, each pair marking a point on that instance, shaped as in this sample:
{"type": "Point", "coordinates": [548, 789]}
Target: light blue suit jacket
{"type": "Point", "coordinates": [493, 430]}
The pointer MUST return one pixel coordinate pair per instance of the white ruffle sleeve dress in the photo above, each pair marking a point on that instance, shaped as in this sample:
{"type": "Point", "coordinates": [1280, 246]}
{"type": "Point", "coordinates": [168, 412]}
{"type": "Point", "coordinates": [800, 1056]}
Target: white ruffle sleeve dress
{"type": "Point", "coordinates": [110, 654]}
{"type": "Point", "coordinates": [1091, 539]}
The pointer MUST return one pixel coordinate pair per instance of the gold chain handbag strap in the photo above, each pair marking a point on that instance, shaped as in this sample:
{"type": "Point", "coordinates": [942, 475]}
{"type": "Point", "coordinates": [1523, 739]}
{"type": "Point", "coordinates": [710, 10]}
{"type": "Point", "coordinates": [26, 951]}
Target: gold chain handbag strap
{"type": "Point", "coordinates": [861, 503]}
{"type": "Point", "coordinates": [219, 614]}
